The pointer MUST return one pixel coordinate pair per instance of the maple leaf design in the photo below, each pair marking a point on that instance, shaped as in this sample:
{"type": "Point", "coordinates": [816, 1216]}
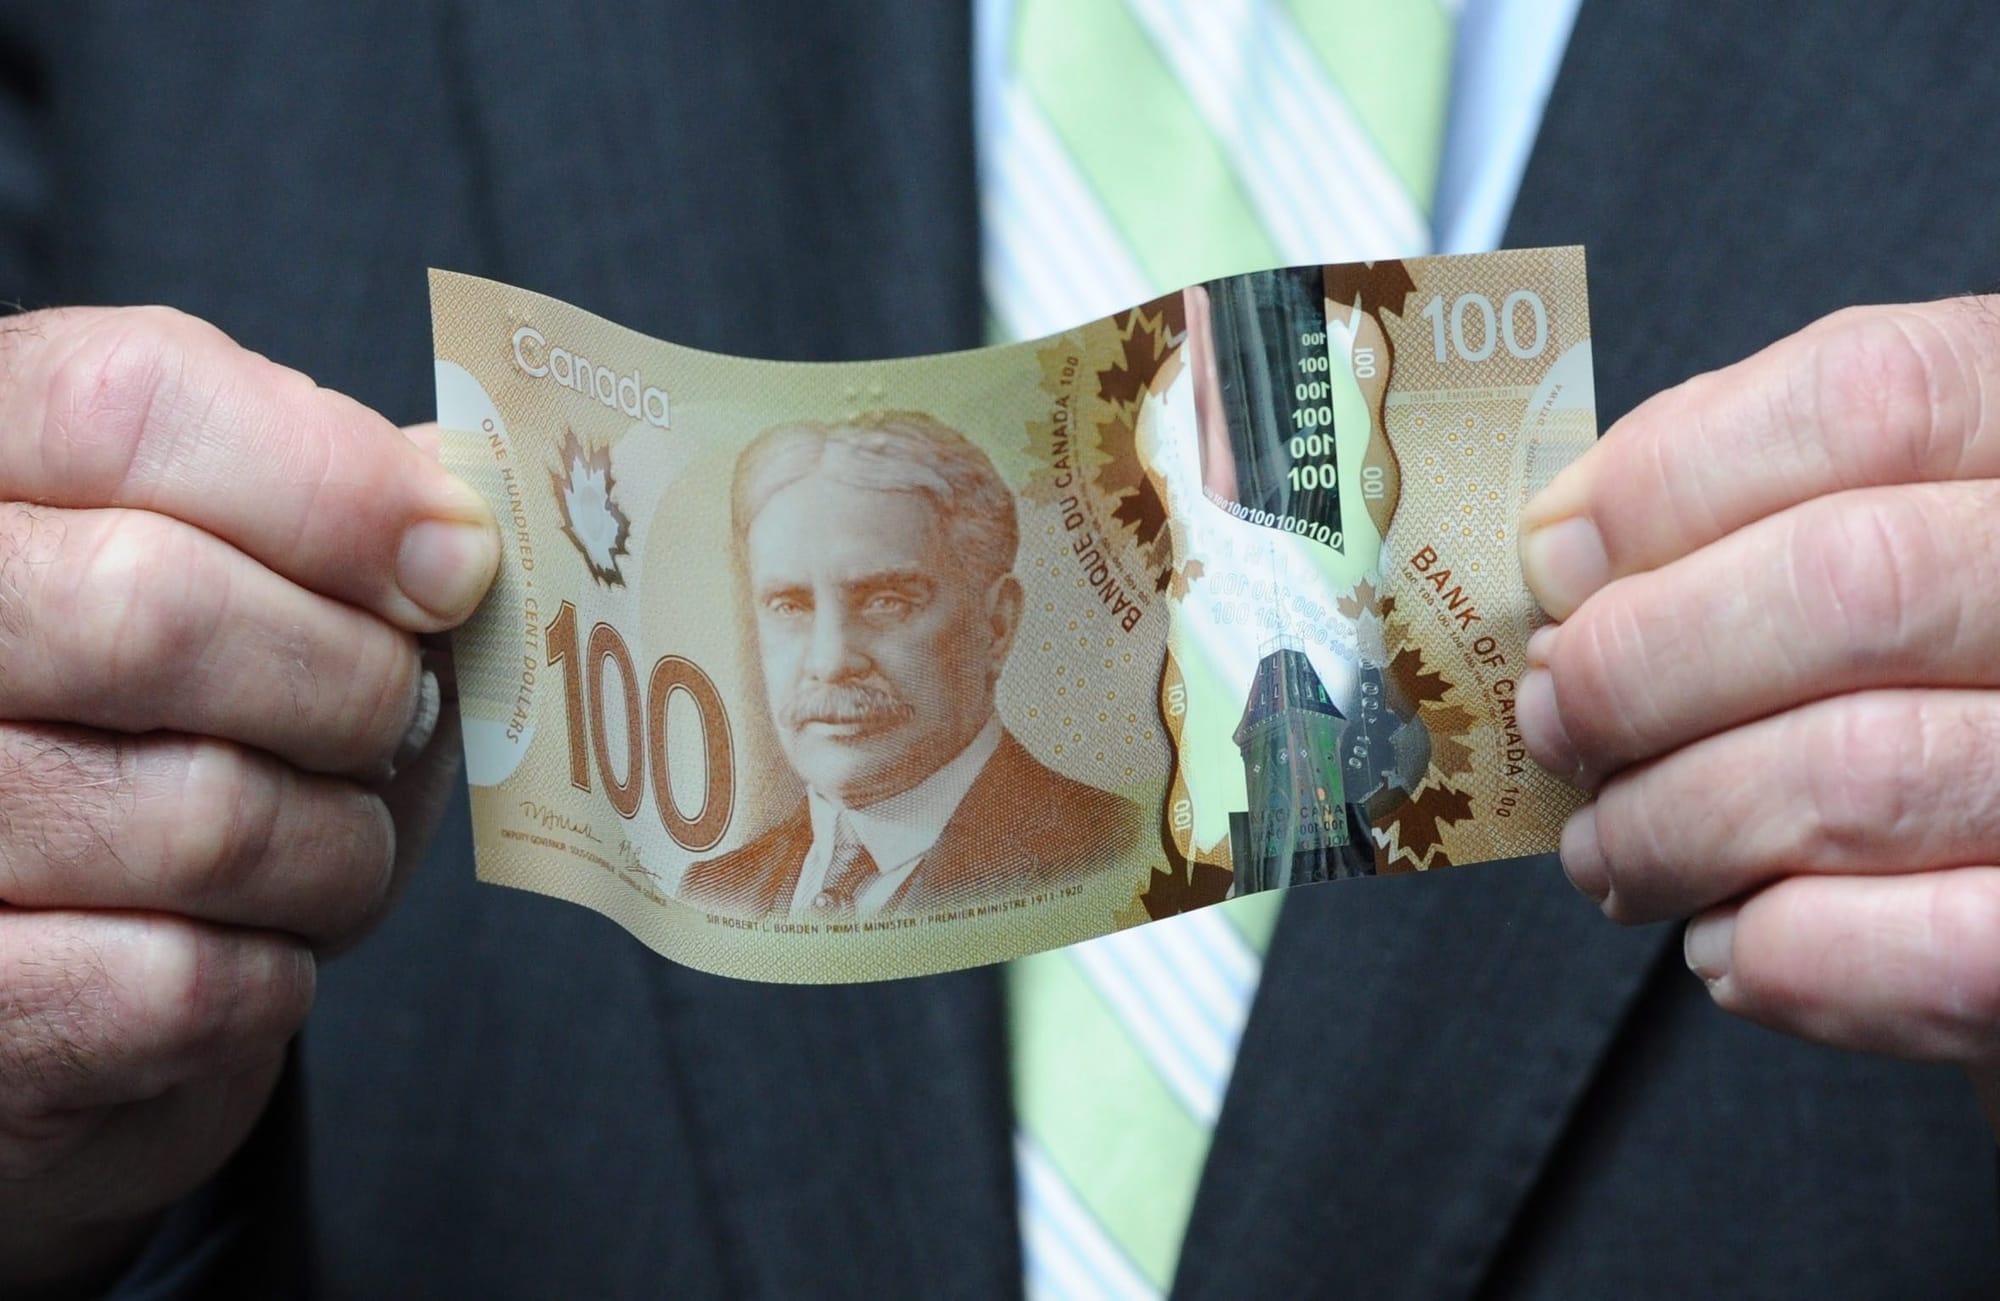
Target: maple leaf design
{"type": "Point", "coordinates": [1159, 556]}
{"type": "Point", "coordinates": [1362, 600]}
{"type": "Point", "coordinates": [1378, 286]}
{"type": "Point", "coordinates": [1143, 339]}
{"type": "Point", "coordinates": [1414, 827]}
{"type": "Point", "coordinates": [1146, 339]}
{"type": "Point", "coordinates": [1182, 577]}
{"type": "Point", "coordinates": [1448, 726]}
{"type": "Point", "coordinates": [591, 518]}
{"type": "Point", "coordinates": [1172, 891]}
{"type": "Point", "coordinates": [1141, 510]}
{"type": "Point", "coordinates": [1117, 442]}
{"type": "Point", "coordinates": [1419, 685]}
{"type": "Point", "coordinates": [1132, 914]}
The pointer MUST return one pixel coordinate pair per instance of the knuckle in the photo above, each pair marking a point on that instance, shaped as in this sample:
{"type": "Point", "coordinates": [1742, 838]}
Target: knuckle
{"type": "Point", "coordinates": [1861, 758]}
{"type": "Point", "coordinates": [224, 821]}
{"type": "Point", "coordinates": [1862, 567]}
{"type": "Point", "coordinates": [185, 992]}
{"type": "Point", "coordinates": [215, 997]}
{"type": "Point", "coordinates": [1607, 706]}
{"type": "Point", "coordinates": [1698, 419]}
{"type": "Point", "coordinates": [1691, 415]}
{"type": "Point", "coordinates": [1888, 395]}
{"type": "Point", "coordinates": [105, 390]}
{"type": "Point", "coordinates": [382, 690]}
{"type": "Point", "coordinates": [146, 602]}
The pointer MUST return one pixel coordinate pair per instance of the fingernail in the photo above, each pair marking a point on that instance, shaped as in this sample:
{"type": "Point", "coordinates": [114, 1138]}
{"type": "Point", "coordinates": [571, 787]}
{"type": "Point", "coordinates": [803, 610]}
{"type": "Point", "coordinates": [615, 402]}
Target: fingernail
{"type": "Point", "coordinates": [422, 726]}
{"type": "Point", "coordinates": [445, 566]}
{"type": "Point", "coordinates": [1542, 646]}
{"type": "Point", "coordinates": [1708, 943]}
{"type": "Point", "coordinates": [1583, 857]}
{"type": "Point", "coordinates": [1542, 726]}
{"type": "Point", "coordinates": [1563, 563]}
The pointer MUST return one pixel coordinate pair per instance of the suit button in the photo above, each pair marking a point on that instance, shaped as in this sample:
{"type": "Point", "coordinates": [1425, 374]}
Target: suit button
{"type": "Point", "coordinates": [825, 902]}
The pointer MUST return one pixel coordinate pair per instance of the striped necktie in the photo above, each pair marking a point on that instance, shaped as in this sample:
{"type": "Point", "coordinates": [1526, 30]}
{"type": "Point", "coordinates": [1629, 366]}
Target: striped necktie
{"type": "Point", "coordinates": [849, 869]}
{"type": "Point", "coordinates": [1128, 148]}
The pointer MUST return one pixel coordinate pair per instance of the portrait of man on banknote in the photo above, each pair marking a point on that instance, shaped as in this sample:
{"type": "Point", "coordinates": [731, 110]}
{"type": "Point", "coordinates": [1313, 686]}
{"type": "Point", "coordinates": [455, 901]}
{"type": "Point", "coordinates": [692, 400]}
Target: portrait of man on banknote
{"type": "Point", "coordinates": [877, 557]}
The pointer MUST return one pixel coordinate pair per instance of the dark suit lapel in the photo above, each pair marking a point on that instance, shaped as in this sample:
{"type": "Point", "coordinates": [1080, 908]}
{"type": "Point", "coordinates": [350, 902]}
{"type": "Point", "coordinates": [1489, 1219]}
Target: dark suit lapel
{"type": "Point", "coordinates": [982, 842]}
{"type": "Point", "coordinates": [1738, 171]}
{"type": "Point", "coordinates": [793, 180]}
{"type": "Point", "coordinates": [1414, 1052]}
{"type": "Point", "coordinates": [793, 842]}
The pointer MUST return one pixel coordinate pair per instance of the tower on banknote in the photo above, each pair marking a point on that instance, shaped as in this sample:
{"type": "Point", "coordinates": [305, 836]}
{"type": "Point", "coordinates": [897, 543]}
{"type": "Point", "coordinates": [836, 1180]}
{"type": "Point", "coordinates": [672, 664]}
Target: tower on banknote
{"type": "Point", "coordinates": [1297, 826]}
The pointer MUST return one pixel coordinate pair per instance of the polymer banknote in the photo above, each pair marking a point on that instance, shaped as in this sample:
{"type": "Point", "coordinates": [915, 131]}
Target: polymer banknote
{"type": "Point", "coordinates": [820, 672]}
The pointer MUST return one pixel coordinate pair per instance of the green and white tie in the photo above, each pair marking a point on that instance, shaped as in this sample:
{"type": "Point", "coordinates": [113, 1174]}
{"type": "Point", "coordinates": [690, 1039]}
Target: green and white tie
{"type": "Point", "coordinates": [1128, 148]}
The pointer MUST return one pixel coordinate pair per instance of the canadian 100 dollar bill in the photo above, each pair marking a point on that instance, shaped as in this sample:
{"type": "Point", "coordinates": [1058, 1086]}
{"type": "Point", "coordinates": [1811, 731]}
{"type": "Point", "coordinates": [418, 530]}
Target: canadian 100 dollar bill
{"type": "Point", "coordinates": [818, 672]}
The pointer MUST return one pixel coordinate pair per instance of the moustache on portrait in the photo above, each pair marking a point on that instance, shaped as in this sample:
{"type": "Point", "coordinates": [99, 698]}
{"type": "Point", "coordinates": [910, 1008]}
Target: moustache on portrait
{"type": "Point", "coordinates": [869, 701]}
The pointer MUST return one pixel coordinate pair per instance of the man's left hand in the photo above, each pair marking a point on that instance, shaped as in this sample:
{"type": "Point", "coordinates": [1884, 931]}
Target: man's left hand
{"type": "Point", "coordinates": [1778, 671]}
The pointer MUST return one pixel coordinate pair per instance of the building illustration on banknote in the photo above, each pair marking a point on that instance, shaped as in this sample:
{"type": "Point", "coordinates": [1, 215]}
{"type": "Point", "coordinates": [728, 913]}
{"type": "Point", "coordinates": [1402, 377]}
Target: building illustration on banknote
{"type": "Point", "coordinates": [1298, 826]}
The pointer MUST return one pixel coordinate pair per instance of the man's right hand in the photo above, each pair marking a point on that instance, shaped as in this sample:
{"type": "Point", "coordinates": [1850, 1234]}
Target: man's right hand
{"type": "Point", "coordinates": [211, 577]}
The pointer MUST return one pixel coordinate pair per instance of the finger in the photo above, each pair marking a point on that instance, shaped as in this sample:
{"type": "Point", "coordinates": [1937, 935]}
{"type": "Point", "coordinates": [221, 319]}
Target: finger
{"type": "Point", "coordinates": [187, 825]}
{"type": "Point", "coordinates": [98, 1009]}
{"type": "Point", "coordinates": [147, 408]}
{"type": "Point", "coordinates": [1908, 965]}
{"type": "Point", "coordinates": [1868, 397]}
{"type": "Point", "coordinates": [1876, 588]}
{"type": "Point", "coordinates": [133, 622]}
{"type": "Point", "coordinates": [1887, 781]}
{"type": "Point", "coordinates": [94, 1168]}
{"type": "Point", "coordinates": [426, 437]}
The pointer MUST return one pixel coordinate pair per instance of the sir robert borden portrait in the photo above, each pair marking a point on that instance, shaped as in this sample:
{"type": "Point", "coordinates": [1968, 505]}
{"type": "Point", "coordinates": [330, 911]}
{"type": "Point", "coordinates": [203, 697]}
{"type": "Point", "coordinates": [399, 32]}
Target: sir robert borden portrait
{"type": "Point", "coordinates": [877, 557]}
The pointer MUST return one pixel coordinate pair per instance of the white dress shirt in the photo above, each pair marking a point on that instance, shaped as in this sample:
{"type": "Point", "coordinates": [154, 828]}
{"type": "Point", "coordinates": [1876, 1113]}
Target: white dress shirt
{"type": "Point", "coordinates": [1504, 64]}
{"type": "Point", "coordinates": [896, 832]}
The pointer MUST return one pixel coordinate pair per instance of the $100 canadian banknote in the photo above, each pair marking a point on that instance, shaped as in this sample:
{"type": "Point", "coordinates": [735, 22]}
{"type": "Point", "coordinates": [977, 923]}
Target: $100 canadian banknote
{"type": "Point", "coordinates": [815, 672]}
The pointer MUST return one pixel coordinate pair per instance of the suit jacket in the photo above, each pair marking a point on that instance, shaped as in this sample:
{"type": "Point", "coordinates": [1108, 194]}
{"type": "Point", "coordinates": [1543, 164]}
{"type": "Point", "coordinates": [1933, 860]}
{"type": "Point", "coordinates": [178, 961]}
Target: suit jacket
{"type": "Point", "coordinates": [1021, 826]}
{"type": "Point", "coordinates": [1466, 1085]}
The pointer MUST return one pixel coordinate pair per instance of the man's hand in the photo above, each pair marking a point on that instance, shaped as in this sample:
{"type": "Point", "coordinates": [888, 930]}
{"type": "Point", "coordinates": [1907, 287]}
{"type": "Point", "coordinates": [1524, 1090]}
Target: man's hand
{"type": "Point", "coordinates": [1778, 669]}
{"type": "Point", "coordinates": [212, 574]}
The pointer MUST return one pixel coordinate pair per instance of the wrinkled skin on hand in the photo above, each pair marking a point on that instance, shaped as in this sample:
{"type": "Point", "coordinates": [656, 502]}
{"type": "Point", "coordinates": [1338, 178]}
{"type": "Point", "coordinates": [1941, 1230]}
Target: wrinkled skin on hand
{"type": "Point", "coordinates": [1778, 671]}
{"type": "Point", "coordinates": [216, 747]}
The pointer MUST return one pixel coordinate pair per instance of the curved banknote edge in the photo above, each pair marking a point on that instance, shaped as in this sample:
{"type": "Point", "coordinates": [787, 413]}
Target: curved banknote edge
{"type": "Point", "coordinates": [824, 672]}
